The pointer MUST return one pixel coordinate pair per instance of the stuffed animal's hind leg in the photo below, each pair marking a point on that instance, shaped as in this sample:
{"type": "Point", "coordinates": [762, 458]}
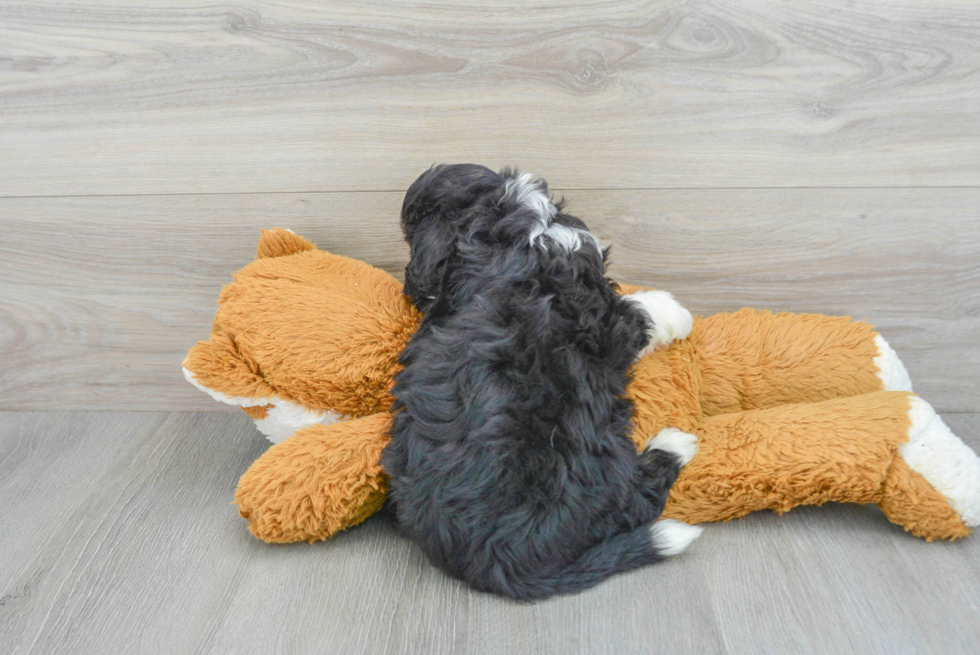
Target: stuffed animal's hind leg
{"type": "Point", "coordinates": [754, 359]}
{"type": "Point", "coordinates": [932, 460]}
{"type": "Point", "coordinates": [887, 448]}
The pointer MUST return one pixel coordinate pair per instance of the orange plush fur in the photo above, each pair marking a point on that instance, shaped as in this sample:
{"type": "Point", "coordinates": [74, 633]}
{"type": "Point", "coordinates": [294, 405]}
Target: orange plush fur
{"type": "Point", "coordinates": [788, 409]}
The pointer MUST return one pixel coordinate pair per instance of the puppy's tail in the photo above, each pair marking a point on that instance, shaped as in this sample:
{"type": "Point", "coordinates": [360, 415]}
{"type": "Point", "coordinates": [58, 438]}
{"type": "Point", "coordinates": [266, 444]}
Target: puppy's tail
{"type": "Point", "coordinates": [621, 552]}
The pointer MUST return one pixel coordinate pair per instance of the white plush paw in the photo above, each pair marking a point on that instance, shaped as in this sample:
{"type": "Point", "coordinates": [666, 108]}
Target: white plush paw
{"type": "Point", "coordinates": [682, 445]}
{"type": "Point", "coordinates": [670, 320]}
{"type": "Point", "coordinates": [950, 466]}
{"type": "Point", "coordinates": [671, 537]}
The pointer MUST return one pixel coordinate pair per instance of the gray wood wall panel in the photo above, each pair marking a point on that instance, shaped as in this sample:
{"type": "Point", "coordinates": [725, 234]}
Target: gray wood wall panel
{"type": "Point", "coordinates": [100, 297]}
{"type": "Point", "coordinates": [118, 537]}
{"type": "Point", "coordinates": [112, 96]}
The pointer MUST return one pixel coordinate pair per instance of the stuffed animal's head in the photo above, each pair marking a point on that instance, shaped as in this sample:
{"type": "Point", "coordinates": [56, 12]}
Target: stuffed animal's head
{"type": "Point", "coordinates": [303, 336]}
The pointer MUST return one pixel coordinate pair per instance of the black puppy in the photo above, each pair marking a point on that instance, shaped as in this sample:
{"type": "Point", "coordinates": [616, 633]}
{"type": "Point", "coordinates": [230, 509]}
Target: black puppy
{"type": "Point", "coordinates": [510, 459]}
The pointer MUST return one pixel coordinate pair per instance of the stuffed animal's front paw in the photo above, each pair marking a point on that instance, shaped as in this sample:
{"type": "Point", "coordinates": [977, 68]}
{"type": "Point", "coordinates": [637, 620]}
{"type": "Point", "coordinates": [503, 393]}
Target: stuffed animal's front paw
{"type": "Point", "coordinates": [669, 320]}
{"type": "Point", "coordinates": [682, 445]}
{"type": "Point", "coordinates": [321, 480]}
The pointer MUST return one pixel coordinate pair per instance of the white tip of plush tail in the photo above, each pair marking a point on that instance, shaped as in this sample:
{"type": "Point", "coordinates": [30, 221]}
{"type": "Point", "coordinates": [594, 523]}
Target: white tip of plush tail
{"type": "Point", "coordinates": [948, 464]}
{"type": "Point", "coordinates": [671, 537]}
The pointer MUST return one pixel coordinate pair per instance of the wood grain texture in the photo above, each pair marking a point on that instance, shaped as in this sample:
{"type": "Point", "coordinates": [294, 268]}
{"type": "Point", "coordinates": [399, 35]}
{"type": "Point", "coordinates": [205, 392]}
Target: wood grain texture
{"type": "Point", "coordinates": [118, 537]}
{"type": "Point", "coordinates": [112, 96]}
{"type": "Point", "coordinates": [100, 298]}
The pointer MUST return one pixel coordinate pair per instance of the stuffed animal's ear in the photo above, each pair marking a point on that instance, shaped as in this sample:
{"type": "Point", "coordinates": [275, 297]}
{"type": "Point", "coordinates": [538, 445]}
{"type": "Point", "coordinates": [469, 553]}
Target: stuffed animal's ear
{"type": "Point", "coordinates": [278, 242]}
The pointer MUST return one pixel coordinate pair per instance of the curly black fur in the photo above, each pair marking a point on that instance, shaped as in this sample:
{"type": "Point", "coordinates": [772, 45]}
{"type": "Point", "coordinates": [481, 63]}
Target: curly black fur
{"type": "Point", "coordinates": [510, 459]}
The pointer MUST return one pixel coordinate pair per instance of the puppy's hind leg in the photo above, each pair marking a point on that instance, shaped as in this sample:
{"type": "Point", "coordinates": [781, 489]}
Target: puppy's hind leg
{"type": "Point", "coordinates": [661, 462]}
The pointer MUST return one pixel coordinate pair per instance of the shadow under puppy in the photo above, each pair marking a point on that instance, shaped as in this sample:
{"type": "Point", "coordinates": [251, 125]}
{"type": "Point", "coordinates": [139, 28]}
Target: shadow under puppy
{"type": "Point", "coordinates": [510, 460]}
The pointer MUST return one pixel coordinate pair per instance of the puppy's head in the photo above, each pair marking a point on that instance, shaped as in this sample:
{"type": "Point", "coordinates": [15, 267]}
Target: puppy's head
{"type": "Point", "coordinates": [438, 207]}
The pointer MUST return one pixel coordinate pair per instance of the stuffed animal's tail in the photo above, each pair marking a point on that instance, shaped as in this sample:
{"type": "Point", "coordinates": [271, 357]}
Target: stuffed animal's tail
{"type": "Point", "coordinates": [278, 242]}
{"type": "Point", "coordinates": [622, 552]}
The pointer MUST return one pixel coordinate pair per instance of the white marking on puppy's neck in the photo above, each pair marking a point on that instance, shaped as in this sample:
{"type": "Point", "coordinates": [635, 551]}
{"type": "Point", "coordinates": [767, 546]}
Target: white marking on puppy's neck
{"type": "Point", "coordinates": [569, 238]}
{"type": "Point", "coordinates": [528, 191]}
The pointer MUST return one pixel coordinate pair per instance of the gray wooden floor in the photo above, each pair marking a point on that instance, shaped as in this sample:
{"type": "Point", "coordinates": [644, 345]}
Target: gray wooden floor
{"type": "Point", "coordinates": [118, 536]}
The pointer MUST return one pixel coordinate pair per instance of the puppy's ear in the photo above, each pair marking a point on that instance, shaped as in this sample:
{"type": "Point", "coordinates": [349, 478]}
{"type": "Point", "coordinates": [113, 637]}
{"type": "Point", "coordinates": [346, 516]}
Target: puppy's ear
{"type": "Point", "coordinates": [438, 207]}
{"type": "Point", "coordinates": [421, 200]}
{"type": "Point", "coordinates": [433, 244]}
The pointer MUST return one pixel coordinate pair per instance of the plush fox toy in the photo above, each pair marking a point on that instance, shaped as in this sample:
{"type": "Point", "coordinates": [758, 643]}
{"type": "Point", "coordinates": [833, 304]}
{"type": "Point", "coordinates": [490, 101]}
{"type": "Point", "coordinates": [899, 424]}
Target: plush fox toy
{"type": "Point", "coordinates": [788, 409]}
